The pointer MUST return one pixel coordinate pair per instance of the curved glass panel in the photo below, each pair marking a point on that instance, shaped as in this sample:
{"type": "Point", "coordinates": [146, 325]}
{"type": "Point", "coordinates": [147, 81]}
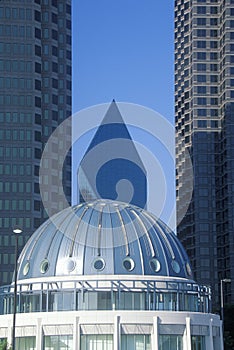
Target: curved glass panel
{"type": "Point", "coordinates": [60, 301]}
{"type": "Point", "coordinates": [106, 295]}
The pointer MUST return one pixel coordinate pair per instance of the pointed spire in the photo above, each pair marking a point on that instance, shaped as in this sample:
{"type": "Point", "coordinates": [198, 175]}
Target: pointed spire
{"type": "Point", "coordinates": [111, 127]}
{"type": "Point", "coordinates": [114, 170]}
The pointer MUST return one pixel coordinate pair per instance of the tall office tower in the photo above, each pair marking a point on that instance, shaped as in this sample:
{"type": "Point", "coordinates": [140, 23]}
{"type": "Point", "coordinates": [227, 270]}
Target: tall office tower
{"type": "Point", "coordinates": [111, 167]}
{"type": "Point", "coordinates": [204, 99]}
{"type": "Point", "coordinates": [35, 97]}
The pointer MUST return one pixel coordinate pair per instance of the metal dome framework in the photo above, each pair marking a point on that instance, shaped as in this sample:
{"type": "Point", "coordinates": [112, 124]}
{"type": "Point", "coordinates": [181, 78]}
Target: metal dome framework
{"type": "Point", "coordinates": [104, 237]}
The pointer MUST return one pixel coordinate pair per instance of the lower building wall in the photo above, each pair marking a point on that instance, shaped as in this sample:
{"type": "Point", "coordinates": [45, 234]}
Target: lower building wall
{"type": "Point", "coordinates": [110, 330]}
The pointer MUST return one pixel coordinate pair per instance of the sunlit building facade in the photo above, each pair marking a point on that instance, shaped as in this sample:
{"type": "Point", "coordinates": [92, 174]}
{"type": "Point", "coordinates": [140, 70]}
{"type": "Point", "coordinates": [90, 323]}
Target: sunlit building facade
{"type": "Point", "coordinates": [107, 275]}
{"type": "Point", "coordinates": [204, 97]}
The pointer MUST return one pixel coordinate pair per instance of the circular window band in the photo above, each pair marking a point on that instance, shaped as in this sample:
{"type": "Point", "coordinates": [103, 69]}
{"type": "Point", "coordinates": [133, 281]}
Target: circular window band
{"type": "Point", "coordinates": [175, 266]}
{"type": "Point", "coordinates": [44, 266]}
{"type": "Point", "coordinates": [155, 265]}
{"type": "Point", "coordinates": [128, 264]}
{"type": "Point", "coordinates": [99, 264]}
{"type": "Point", "coordinates": [26, 268]}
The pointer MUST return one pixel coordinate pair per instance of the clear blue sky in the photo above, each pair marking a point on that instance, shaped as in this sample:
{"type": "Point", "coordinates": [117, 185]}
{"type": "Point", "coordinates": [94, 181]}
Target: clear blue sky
{"type": "Point", "coordinates": [123, 49]}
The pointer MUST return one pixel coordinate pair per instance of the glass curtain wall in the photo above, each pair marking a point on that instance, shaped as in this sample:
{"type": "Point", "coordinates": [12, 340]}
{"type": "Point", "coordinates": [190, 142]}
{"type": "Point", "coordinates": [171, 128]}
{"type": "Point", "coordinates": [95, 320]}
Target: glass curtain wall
{"type": "Point", "coordinates": [101, 300]}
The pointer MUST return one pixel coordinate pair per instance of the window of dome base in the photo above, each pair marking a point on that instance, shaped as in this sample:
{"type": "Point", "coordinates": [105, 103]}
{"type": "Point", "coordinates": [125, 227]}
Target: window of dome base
{"type": "Point", "coordinates": [44, 266]}
{"type": "Point", "coordinates": [69, 265]}
{"type": "Point", "coordinates": [175, 265]}
{"type": "Point", "coordinates": [26, 268]}
{"type": "Point", "coordinates": [155, 265]}
{"type": "Point", "coordinates": [129, 264]}
{"type": "Point", "coordinates": [99, 264]}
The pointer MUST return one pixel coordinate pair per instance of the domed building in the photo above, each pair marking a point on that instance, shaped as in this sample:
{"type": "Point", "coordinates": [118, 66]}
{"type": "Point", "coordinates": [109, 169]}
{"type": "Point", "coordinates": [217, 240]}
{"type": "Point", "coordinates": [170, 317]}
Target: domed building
{"type": "Point", "coordinates": [107, 275]}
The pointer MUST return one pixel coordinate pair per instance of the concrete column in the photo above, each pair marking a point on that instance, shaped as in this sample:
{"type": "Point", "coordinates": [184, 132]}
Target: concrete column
{"type": "Point", "coordinates": [9, 331]}
{"type": "Point", "coordinates": [221, 335]}
{"type": "Point", "coordinates": [76, 333]}
{"type": "Point", "coordinates": [155, 336]}
{"type": "Point", "coordinates": [117, 335]}
{"type": "Point", "coordinates": [188, 333]}
{"type": "Point", "coordinates": [39, 335]}
{"type": "Point", "coordinates": [211, 343]}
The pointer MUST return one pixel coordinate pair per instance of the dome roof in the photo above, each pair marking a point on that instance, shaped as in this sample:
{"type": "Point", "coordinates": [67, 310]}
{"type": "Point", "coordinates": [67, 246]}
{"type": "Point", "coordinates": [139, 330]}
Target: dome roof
{"type": "Point", "coordinates": [103, 237]}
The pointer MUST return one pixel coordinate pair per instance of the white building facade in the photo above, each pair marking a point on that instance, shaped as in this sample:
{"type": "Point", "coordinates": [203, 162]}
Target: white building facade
{"type": "Point", "coordinates": [107, 276]}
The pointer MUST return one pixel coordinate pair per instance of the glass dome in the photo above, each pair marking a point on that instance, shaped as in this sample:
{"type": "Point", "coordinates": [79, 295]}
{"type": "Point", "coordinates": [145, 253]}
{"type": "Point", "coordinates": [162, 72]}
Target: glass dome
{"type": "Point", "coordinates": [103, 237]}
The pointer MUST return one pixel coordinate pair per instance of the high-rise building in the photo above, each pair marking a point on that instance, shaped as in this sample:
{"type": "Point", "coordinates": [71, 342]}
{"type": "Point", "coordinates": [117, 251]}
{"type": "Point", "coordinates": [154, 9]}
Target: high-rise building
{"type": "Point", "coordinates": [35, 97]}
{"type": "Point", "coordinates": [204, 99]}
{"type": "Point", "coordinates": [111, 167]}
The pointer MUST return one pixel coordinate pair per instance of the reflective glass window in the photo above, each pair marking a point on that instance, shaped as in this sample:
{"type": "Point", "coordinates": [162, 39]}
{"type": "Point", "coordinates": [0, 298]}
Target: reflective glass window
{"type": "Point", "coordinates": [29, 302]}
{"type": "Point", "coordinates": [96, 301]}
{"type": "Point", "coordinates": [201, 10]}
{"type": "Point", "coordinates": [201, 55]}
{"type": "Point", "coordinates": [135, 341]}
{"type": "Point", "coordinates": [26, 343]}
{"type": "Point", "coordinates": [46, 49]}
{"type": "Point", "coordinates": [97, 342]}
{"type": "Point", "coordinates": [198, 342]}
{"type": "Point", "coordinates": [3, 343]}
{"type": "Point", "coordinates": [28, 14]}
{"type": "Point", "coordinates": [7, 12]}
{"type": "Point", "coordinates": [131, 301]}
{"type": "Point", "coordinates": [46, 33]}
{"type": "Point", "coordinates": [61, 301]}
{"type": "Point", "coordinates": [201, 32]}
{"type": "Point", "coordinates": [201, 21]}
{"type": "Point", "coordinates": [61, 342]}
{"type": "Point", "coordinates": [170, 342]}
